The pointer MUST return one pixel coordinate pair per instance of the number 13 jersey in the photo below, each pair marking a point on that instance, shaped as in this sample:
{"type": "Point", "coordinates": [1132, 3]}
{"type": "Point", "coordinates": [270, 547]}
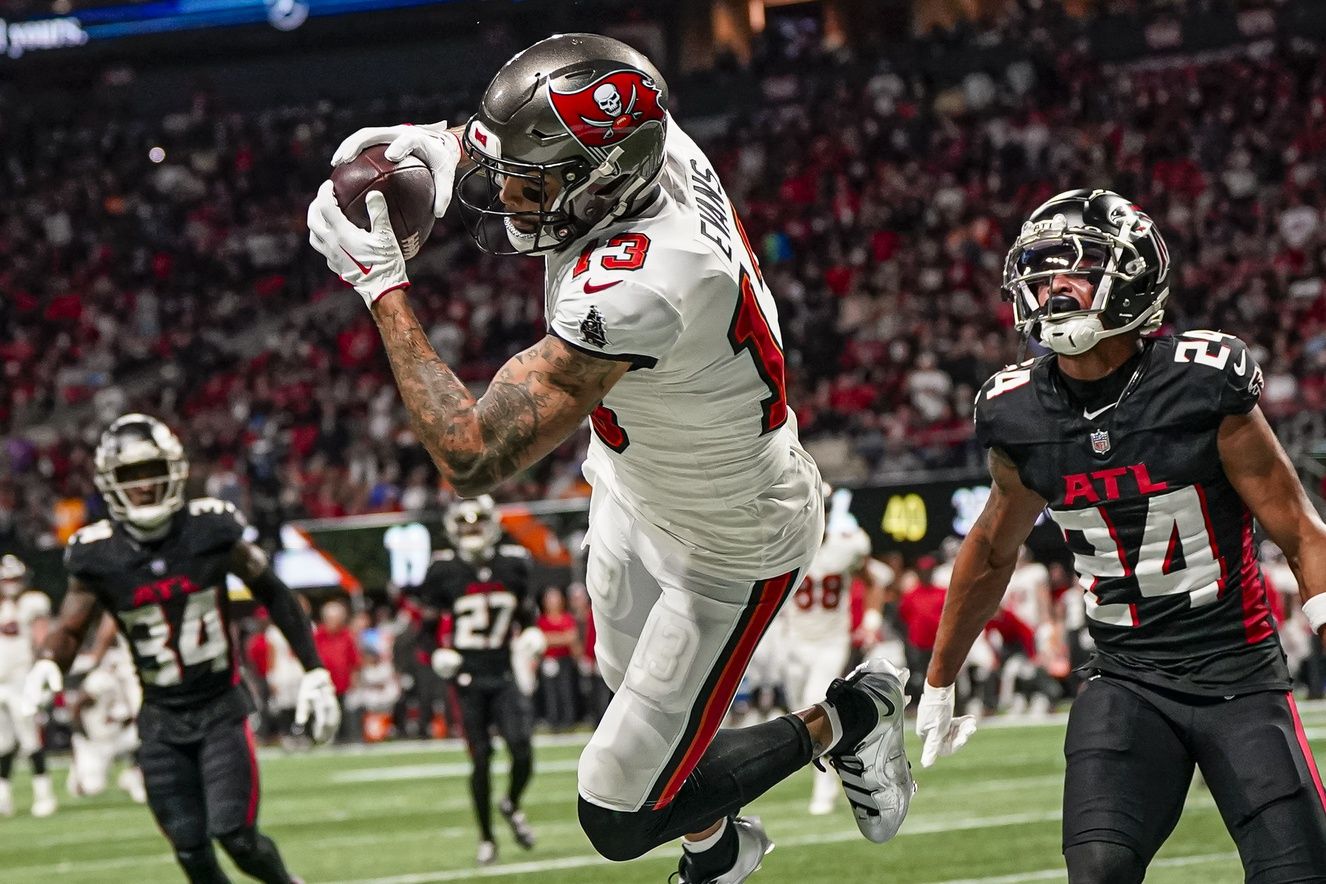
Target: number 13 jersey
{"type": "Point", "coordinates": [1161, 539]}
{"type": "Point", "coordinates": [697, 438]}
{"type": "Point", "coordinates": [169, 599]}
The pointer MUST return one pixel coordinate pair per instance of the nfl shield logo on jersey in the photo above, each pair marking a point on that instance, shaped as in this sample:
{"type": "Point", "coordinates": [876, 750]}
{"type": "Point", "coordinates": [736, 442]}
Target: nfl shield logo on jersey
{"type": "Point", "coordinates": [1100, 441]}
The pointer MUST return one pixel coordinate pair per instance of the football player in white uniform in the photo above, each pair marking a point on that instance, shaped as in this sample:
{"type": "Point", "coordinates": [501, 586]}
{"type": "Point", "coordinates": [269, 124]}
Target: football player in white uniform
{"type": "Point", "coordinates": [1025, 684]}
{"type": "Point", "coordinates": [818, 625]}
{"type": "Point", "coordinates": [24, 615]}
{"type": "Point", "coordinates": [108, 701]}
{"type": "Point", "coordinates": [706, 510]}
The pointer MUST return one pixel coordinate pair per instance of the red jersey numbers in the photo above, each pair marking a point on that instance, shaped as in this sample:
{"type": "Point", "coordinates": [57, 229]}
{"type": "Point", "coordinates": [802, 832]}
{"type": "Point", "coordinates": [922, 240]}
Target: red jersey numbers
{"type": "Point", "coordinates": [830, 594]}
{"type": "Point", "coordinates": [604, 421]}
{"type": "Point", "coordinates": [750, 331]}
{"type": "Point", "coordinates": [625, 251]}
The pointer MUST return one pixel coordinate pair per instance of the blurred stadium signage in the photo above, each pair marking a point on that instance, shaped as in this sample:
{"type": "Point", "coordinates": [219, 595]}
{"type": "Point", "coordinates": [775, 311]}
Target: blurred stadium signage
{"type": "Point", "coordinates": [100, 24]}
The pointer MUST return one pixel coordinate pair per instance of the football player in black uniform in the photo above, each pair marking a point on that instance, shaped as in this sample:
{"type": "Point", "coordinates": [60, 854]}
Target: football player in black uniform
{"type": "Point", "coordinates": [485, 586]}
{"type": "Point", "coordinates": [1154, 459]}
{"type": "Point", "coordinates": [159, 566]}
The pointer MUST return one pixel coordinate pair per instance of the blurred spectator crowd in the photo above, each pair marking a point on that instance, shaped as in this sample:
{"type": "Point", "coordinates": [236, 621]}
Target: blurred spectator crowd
{"type": "Point", "coordinates": [161, 265]}
{"type": "Point", "coordinates": [1025, 660]}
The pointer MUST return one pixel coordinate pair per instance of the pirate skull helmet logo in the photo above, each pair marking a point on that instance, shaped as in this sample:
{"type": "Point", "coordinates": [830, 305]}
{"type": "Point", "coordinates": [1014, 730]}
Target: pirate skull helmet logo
{"type": "Point", "coordinates": [606, 111]}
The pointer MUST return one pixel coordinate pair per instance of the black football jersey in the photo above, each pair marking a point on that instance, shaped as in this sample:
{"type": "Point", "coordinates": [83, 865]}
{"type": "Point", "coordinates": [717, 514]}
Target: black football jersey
{"type": "Point", "coordinates": [169, 598]}
{"type": "Point", "coordinates": [1162, 541]}
{"type": "Point", "coordinates": [485, 601]}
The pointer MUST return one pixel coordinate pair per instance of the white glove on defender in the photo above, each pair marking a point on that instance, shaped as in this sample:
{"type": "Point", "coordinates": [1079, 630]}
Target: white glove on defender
{"type": "Point", "coordinates": [370, 260]}
{"type": "Point", "coordinates": [43, 681]}
{"type": "Point", "coordinates": [446, 662]}
{"type": "Point", "coordinates": [433, 144]}
{"type": "Point", "coordinates": [943, 734]}
{"type": "Point", "coordinates": [317, 698]}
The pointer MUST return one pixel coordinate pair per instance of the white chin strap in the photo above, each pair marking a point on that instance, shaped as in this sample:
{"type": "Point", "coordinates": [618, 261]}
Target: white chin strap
{"type": "Point", "coordinates": [473, 549]}
{"type": "Point", "coordinates": [1073, 335]}
{"type": "Point", "coordinates": [147, 522]}
{"type": "Point", "coordinates": [1076, 334]}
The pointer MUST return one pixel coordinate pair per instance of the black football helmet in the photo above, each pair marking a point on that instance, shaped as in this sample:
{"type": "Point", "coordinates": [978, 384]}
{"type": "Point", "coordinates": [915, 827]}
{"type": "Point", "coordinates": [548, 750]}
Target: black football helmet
{"type": "Point", "coordinates": [139, 453]}
{"type": "Point", "coordinates": [1103, 237]}
{"type": "Point", "coordinates": [585, 112]}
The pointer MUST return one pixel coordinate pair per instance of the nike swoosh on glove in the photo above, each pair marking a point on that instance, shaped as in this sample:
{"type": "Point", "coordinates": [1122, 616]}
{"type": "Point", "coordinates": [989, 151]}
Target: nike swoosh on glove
{"type": "Point", "coordinates": [317, 700]}
{"type": "Point", "coordinates": [370, 260]}
{"type": "Point", "coordinates": [943, 734]}
{"type": "Point", "coordinates": [43, 681]}
{"type": "Point", "coordinates": [432, 143]}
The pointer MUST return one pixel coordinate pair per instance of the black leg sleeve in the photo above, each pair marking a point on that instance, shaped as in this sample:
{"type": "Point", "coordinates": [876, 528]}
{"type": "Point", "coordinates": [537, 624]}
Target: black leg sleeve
{"type": "Point", "coordinates": [739, 766]}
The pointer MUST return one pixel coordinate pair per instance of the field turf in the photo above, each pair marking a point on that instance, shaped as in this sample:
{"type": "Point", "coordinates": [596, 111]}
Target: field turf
{"type": "Point", "coordinates": [399, 814]}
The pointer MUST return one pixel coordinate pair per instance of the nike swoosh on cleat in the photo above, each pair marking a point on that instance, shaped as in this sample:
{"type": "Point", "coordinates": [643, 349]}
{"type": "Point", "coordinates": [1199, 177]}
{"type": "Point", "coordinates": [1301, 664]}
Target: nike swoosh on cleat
{"type": "Point", "coordinates": [590, 288]}
{"type": "Point", "coordinates": [365, 269]}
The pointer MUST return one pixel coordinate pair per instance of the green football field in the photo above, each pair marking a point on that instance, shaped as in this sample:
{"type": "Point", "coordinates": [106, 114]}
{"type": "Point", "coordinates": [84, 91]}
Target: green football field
{"type": "Point", "coordinates": [399, 814]}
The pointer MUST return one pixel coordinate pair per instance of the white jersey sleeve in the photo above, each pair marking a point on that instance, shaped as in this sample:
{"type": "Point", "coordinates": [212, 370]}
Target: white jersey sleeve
{"type": "Point", "coordinates": [614, 316]}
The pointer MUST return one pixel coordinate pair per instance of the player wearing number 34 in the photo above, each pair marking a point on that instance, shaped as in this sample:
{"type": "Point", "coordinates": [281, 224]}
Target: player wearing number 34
{"type": "Point", "coordinates": [706, 511]}
{"type": "Point", "coordinates": [158, 566]}
{"type": "Point", "coordinates": [1154, 459]}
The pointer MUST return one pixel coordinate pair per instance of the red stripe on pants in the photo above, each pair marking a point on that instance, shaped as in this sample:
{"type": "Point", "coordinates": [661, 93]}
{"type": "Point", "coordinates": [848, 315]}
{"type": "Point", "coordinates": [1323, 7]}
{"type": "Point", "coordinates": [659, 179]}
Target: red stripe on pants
{"type": "Point", "coordinates": [1307, 750]}
{"type": "Point", "coordinates": [252, 814]}
{"type": "Point", "coordinates": [770, 594]}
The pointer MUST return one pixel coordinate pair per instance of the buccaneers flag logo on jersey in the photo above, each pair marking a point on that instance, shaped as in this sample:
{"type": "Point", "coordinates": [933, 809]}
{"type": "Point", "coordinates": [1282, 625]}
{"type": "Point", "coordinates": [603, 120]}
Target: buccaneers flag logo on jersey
{"type": "Point", "coordinates": [607, 110]}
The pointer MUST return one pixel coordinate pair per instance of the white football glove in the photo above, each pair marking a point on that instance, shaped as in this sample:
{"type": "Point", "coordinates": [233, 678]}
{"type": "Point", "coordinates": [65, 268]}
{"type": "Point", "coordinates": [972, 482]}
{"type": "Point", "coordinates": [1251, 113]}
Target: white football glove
{"type": "Point", "coordinates": [446, 662]}
{"type": "Point", "coordinates": [44, 680]}
{"type": "Point", "coordinates": [370, 260]}
{"type": "Point", "coordinates": [530, 643]}
{"type": "Point", "coordinates": [526, 650]}
{"type": "Point", "coordinates": [433, 144]}
{"type": "Point", "coordinates": [943, 734]}
{"type": "Point", "coordinates": [317, 699]}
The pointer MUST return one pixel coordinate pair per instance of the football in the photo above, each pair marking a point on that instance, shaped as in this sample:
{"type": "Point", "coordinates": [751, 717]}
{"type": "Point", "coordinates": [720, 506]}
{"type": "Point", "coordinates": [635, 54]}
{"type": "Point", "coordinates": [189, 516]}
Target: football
{"type": "Point", "coordinates": [407, 185]}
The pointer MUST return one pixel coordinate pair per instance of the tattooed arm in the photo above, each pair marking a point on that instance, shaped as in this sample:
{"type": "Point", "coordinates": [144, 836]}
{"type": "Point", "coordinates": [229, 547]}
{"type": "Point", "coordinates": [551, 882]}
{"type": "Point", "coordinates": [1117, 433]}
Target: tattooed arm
{"type": "Point", "coordinates": [536, 400]}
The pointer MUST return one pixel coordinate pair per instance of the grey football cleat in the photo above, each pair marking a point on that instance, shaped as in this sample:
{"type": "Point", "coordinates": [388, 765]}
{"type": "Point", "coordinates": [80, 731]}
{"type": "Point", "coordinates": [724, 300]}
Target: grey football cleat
{"type": "Point", "coordinates": [753, 845]}
{"type": "Point", "coordinates": [875, 773]}
{"type": "Point", "coordinates": [486, 855]}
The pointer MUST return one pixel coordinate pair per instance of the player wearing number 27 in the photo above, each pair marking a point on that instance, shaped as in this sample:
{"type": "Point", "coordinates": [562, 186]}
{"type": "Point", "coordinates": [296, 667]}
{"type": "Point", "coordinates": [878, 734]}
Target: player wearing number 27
{"type": "Point", "coordinates": [706, 511]}
{"type": "Point", "coordinates": [1153, 458]}
{"type": "Point", "coordinates": [159, 566]}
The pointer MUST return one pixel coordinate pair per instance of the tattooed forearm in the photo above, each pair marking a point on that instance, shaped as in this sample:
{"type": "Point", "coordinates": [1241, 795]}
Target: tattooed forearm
{"type": "Point", "coordinates": [536, 400]}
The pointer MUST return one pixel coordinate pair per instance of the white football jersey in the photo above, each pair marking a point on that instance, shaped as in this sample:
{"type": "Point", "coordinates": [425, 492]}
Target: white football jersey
{"type": "Point", "coordinates": [697, 439]}
{"type": "Point", "coordinates": [821, 610]}
{"type": "Point", "coordinates": [1025, 591]}
{"type": "Point", "coordinates": [16, 617]}
{"type": "Point", "coordinates": [114, 694]}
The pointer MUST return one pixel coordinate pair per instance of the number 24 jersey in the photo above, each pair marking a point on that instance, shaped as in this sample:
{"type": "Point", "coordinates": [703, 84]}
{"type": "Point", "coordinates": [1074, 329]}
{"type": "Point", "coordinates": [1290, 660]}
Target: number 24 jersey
{"type": "Point", "coordinates": [1162, 541]}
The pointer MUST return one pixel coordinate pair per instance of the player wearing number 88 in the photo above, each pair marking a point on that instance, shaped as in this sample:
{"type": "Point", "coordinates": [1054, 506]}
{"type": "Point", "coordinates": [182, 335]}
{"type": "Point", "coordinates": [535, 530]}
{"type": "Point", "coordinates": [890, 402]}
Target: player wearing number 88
{"type": "Point", "coordinates": [706, 510]}
{"type": "Point", "coordinates": [159, 566]}
{"type": "Point", "coordinates": [817, 624]}
{"type": "Point", "coordinates": [1153, 458]}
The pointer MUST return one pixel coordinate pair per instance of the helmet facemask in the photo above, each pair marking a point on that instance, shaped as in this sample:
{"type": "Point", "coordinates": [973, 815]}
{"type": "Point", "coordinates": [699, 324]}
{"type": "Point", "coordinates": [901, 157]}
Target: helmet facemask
{"type": "Point", "coordinates": [1107, 262]}
{"type": "Point", "coordinates": [472, 528]}
{"type": "Point", "coordinates": [497, 229]}
{"type": "Point", "coordinates": [584, 199]}
{"type": "Point", "coordinates": [141, 473]}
